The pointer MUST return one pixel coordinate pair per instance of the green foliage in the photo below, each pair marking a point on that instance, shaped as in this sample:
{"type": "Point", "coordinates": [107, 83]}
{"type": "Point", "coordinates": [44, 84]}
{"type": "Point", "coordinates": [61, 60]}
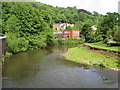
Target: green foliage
{"type": "Point", "coordinates": [7, 54]}
{"type": "Point", "coordinates": [68, 41]}
{"type": "Point", "coordinates": [69, 28]}
{"type": "Point", "coordinates": [28, 25]}
{"type": "Point", "coordinates": [108, 27]}
{"type": "Point", "coordinates": [12, 24]}
{"type": "Point", "coordinates": [23, 44]}
{"type": "Point", "coordinates": [13, 42]}
{"type": "Point", "coordinates": [16, 44]}
{"type": "Point", "coordinates": [79, 25]}
{"type": "Point", "coordinates": [25, 26]}
{"type": "Point", "coordinates": [66, 15]}
{"type": "Point", "coordinates": [117, 36]}
{"type": "Point", "coordinates": [86, 32]}
{"type": "Point", "coordinates": [98, 38]}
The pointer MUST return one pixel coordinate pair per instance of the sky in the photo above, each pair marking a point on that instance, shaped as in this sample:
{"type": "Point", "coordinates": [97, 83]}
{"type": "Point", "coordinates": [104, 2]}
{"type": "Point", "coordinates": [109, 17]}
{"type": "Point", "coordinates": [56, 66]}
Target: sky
{"type": "Point", "coordinates": [100, 6]}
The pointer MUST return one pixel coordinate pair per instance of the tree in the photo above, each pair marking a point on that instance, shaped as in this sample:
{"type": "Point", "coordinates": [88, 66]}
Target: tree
{"type": "Point", "coordinates": [108, 26]}
{"type": "Point", "coordinates": [86, 32]}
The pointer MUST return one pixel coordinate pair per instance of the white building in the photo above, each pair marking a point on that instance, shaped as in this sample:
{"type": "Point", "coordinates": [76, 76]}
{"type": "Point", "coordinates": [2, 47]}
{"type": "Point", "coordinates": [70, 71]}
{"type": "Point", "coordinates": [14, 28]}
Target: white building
{"type": "Point", "coordinates": [94, 27]}
{"type": "Point", "coordinates": [61, 26]}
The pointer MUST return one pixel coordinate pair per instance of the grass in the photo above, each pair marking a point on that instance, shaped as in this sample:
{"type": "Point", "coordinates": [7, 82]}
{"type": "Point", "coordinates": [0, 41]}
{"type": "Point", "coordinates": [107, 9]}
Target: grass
{"type": "Point", "coordinates": [103, 46]}
{"type": "Point", "coordinates": [84, 56]}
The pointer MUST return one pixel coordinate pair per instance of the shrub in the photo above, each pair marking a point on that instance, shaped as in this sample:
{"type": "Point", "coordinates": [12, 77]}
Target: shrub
{"type": "Point", "coordinates": [23, 44]}
{"type": "Point", "coordinates": [68, 41]}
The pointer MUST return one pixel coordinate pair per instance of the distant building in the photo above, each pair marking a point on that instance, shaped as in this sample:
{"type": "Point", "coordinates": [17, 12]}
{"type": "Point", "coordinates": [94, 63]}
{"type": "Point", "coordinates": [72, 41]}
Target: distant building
{"type": "Point", "coordinates": [71, 34]}
{"type": "Point", "coordinates": [61, 26]}
{"type": "Point", "coordinates": [67, 34]}
{"type": "Point", "coordinates": [56, 26]}
{"type": "Point", "coordinates": [94, 28]}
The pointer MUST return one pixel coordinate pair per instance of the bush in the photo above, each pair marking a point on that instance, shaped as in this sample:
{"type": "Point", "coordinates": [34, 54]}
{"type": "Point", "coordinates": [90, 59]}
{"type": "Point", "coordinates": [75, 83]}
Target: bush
{"type": "Point", "coordinates": [102, 65]}
{"type": "Point", "coordinates": [68, 41]}
{"type": "Point", "coordinates": [7, 54]}
{"type": "Point", "coordinates": [13, 44]}
{"type": "Point", "coordinates": [23, 44]}
{"type": "Point", "coordinates": [37, 41]}
{"type": "Point", "coordinates": [18, 44]}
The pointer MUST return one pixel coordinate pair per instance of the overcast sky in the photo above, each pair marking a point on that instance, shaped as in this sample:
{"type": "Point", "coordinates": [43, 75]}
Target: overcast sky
{"type": "Point", "coordinates": [101, 6]}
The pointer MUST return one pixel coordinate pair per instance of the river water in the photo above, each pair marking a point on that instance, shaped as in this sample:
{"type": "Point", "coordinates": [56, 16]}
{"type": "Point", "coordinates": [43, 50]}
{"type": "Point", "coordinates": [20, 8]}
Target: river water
{"type": "Point", "coordinates": [46, 68]}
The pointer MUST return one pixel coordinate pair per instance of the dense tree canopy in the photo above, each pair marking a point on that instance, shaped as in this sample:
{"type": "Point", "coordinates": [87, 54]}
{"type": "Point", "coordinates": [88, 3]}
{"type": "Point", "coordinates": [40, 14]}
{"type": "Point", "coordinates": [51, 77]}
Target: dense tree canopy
{"type": "Point", "coordinates": [28, 25]}
{"type": "Point", "coordinates": [108, 27]}
{"type": "Point", "coordinates": [25, 26]}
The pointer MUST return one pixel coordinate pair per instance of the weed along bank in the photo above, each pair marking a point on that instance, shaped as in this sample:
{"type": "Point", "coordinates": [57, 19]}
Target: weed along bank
{"type": "Point", "coordinates": [2, 46]}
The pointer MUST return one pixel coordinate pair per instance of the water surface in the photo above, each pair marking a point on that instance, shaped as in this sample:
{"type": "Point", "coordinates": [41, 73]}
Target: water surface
{"type": "Point", "coordinates": [46, 68]}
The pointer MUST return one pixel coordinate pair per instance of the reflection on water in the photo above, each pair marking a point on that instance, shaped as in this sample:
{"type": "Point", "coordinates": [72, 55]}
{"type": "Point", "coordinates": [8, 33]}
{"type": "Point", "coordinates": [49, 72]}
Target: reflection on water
{"type": "Point", "coordinates": [45, 68]}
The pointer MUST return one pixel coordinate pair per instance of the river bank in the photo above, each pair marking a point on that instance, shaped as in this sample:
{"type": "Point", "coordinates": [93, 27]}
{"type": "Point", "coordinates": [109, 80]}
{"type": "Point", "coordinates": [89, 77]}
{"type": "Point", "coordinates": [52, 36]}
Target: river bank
{"type": "Point", "coordinates": [85, 56]}
{"type": "Point", "coordinates": [101, 46]}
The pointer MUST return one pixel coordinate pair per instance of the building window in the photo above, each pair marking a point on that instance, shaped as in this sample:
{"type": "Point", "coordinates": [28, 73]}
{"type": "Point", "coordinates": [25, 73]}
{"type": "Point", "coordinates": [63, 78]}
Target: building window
{"type": "Point", "coordinates": [66, 32]}
{"type": "Point", "coordinates": [66, 36]}
{"type": "Point", "coordinates": [76, 36]}
{"type": "Point", "coordinates": [76, 32]}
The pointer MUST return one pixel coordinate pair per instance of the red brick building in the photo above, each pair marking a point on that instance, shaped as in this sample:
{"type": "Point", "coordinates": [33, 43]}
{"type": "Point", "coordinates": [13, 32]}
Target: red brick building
{"type": "Point", "coordinates": [71, 34]}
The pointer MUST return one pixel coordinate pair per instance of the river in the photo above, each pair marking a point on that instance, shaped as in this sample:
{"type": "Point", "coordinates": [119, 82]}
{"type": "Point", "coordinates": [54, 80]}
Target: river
{"type": "Point", "coordinates": [46, 68]}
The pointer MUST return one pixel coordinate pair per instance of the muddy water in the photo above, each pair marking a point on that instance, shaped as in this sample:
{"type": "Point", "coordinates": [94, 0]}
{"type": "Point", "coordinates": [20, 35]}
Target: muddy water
{"type": "Point", "coordinates": [46, 68]}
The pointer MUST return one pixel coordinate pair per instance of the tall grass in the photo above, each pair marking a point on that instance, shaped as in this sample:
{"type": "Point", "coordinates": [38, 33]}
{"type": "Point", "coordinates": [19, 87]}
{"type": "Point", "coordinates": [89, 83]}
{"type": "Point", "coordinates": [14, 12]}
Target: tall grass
{"type": "Point", "coordinates": [84, 56]}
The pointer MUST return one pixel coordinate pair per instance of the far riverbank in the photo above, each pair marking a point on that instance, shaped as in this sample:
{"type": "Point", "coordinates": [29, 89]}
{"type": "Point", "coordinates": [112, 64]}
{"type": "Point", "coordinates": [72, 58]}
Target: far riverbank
{"type": "Point", "coordinates": [83, 55]}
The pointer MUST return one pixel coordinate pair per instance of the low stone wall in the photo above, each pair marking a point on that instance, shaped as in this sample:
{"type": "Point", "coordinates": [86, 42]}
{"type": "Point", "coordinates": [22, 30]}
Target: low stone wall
{"type": "Point", "coordinates": [2, 46]}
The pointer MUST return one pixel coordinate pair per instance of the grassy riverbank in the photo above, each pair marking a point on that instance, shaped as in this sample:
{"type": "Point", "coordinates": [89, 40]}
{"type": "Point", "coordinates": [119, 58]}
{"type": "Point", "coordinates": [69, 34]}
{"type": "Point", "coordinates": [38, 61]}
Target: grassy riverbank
{"type": "Point", "coordinates": [100, 45]}
{"type": "Point", "coordinates": [84, 56]}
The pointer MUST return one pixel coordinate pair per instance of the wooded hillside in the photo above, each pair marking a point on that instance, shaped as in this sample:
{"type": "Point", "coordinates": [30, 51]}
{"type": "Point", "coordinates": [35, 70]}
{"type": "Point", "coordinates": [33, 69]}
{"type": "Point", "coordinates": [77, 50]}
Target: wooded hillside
{"type": "Point", "coordinates": [28, 25]}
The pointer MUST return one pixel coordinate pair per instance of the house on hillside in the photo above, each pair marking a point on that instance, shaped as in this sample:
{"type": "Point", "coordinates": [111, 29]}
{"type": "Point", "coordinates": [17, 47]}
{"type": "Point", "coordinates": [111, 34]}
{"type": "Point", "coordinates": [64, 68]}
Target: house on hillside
{"type": "Point", "coordinates": [94, 28]}
{"type": "Point", "coordinates": [71, 34]}
{"type": "Point", "coordinates": [56, 26]}
{"type": "Point", "coordinates": [61, 26]}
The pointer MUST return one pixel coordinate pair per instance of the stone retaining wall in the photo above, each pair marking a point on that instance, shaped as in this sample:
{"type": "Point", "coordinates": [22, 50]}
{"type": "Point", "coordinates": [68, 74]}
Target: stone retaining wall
{"type": "Point", "coordinates": [2, 46]}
